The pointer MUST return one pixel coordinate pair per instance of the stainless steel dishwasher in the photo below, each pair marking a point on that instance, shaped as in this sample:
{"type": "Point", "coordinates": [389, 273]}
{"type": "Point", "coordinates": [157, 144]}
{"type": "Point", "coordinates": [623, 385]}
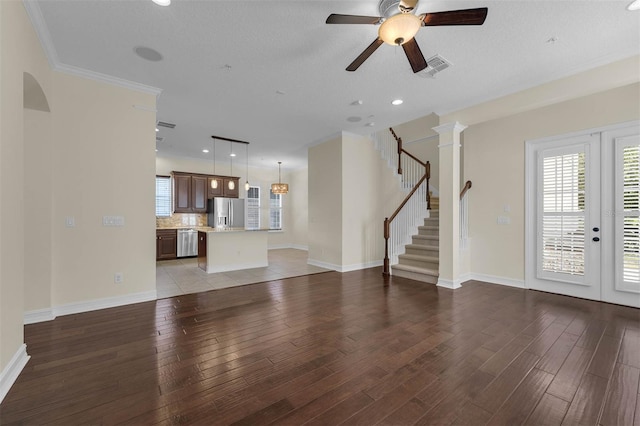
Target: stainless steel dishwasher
{"type": "Point", "coordinates": [187, 242]}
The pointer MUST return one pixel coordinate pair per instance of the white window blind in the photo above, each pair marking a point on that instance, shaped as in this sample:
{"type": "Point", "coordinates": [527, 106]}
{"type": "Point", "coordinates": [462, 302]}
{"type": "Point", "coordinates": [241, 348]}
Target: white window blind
{"type": "Point", "coordinates": [275, 211]}
{"type": "Point", "coordinates": [631, 210]}
{"type": "Point", "coordinates": [563, 222]}
{"type": "Point", "coordinates": [253, 208]}
{"type": "Point", "coordinates": [163, 196]}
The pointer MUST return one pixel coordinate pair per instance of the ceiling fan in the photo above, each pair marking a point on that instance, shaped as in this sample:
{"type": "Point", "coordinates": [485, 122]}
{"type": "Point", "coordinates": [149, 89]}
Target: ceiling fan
{"type": "Point", "coordinates": [399, 24]}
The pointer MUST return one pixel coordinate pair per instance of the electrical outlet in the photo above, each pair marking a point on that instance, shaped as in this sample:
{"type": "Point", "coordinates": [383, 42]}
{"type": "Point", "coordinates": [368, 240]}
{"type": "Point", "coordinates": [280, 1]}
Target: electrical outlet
{"type": "Point", "coordinates": [117, 277]}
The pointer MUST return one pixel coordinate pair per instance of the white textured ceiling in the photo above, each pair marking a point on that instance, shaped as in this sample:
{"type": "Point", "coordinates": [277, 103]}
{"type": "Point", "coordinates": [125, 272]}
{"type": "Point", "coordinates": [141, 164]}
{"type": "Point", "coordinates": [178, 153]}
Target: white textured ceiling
{"type": "Point", "coordinates": [286, 46]}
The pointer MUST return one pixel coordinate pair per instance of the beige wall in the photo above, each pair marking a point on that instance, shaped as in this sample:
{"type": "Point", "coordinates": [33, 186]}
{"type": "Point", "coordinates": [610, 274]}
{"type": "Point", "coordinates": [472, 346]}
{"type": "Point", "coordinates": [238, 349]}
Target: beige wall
{"type": "Point", "coordinates": [102, 169]}
{"type": "Point", "coordinates": [295, 207]}
{"type": "Point", "coordinates": [494, 161]}
{"type": "Point", "coordinates": [325, 202]}
{"type": "Point", "coordinates": [419, 138]}
{"type": "Point", "coordinates": [17, 57]}
{"type": "Point", "coordinates": [351, 191]}
{"type": "Point", "coordinates": [38, 209]}
{"type": "Point", "coordinates": [69, 163]}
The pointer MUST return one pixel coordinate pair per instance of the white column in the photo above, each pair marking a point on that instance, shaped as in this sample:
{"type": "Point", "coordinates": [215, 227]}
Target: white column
{"type": "Point", "coordinates": [449, 204]}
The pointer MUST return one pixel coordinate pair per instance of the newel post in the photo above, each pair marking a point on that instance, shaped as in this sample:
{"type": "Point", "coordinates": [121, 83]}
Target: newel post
{"type": "Point", "coordinates": [385, 266]}
{"type": "Point", "coordinates": [428, 173]}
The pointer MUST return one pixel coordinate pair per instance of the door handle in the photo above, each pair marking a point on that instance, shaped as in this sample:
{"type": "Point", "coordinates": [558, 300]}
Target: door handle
{"type": "Point", "coordinates": [596, 229]}
{"type": "Point", "coordinates": [596, 239]}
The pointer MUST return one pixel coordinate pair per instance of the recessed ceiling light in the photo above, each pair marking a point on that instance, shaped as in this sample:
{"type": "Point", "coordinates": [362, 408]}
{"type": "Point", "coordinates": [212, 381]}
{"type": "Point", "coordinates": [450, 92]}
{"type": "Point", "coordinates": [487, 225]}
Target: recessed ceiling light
{"type": "Point", "coordinates": [356, 103]}
{"type": "Point", "coordinates": [370, 124]}
{"type": "Point", "coordinates": [353, 119]}
{"type": "Point", "coordinates": [232, 154]}
{"type": "Point", "coordinates": [156, 149]}
{"type": "Point", "coordinates": [148, 53]}
{"type": "Point", "coordinates": [635, 5]}
{"type": "Point", "coordinates": [397, 102]}
{"type": "Point", "coordinates": [162, 2]}
{"type": "Point", "coordinates": [157, 130]}
{"type": "Point", "coordinates": [206, 151]}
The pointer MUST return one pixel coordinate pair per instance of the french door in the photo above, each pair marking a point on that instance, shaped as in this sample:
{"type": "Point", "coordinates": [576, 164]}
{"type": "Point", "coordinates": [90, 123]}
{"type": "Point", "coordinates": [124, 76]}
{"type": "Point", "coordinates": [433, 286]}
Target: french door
{"type": "Point", "coordinates": [582, 215]}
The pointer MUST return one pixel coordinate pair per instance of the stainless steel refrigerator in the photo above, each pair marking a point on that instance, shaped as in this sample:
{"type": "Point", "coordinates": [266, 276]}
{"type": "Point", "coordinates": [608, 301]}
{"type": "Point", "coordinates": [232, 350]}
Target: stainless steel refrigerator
{"type": "Point", "coordinates": [225, 212]}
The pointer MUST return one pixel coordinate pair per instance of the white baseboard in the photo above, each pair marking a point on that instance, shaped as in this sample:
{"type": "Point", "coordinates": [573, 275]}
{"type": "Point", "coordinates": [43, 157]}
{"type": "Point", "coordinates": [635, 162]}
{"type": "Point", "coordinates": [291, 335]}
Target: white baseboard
{"type": "Point", "coordinates": [11, 372]}
{"type": "Point", "coordinates": [228, 267]}
{"type": "Point", "coordinates": [451, 284]}
{"type": "Point", "coordinates": [38, 315]}
{"type": "Point", "coordinates": [42, 315]}
{"type": "Point", "coordinates": [345, 268]}
{"type": "Point", "coordinates": [492, 279]}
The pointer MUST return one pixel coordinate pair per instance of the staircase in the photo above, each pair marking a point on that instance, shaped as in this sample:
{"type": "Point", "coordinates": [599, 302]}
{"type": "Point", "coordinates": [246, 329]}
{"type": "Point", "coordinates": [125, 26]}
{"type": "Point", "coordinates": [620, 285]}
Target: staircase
{"type": "Point", "coordinates": [420, 260]}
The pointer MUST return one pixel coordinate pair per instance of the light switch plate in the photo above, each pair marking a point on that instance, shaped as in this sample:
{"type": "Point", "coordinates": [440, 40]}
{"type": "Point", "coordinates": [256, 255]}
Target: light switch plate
{"type": "Point", "coordinates": [504, 220]}
{"type": "Point", "coordinates": [112, 220]}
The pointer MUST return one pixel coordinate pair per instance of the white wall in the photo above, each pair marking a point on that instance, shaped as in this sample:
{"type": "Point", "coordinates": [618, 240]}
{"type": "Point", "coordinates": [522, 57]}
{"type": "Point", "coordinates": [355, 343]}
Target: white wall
{"type": "Point", "coordinates": [295, 207]}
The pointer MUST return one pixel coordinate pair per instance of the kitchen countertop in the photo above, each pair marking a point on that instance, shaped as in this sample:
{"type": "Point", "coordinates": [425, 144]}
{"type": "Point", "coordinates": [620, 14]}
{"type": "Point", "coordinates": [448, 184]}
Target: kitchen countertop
{"type": "Point", "coordinates": [210, 229]}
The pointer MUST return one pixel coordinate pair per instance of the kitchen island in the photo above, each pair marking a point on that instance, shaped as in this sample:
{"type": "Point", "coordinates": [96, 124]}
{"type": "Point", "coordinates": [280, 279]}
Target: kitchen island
{"type": "Point", "coordinates": [231, 249]}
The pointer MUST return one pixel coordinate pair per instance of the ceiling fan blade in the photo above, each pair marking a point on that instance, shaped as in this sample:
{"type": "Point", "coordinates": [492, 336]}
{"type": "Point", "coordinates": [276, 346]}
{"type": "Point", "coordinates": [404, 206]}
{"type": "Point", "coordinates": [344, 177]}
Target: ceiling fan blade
{"type": "Point", "coordinates": [456, 17]}
{"type": "Point", "coordinates": [335, 18]}
{"type": "Point", "coordinates": [364, 55]}
{"type": "Point", "coordinates": [415, 56]}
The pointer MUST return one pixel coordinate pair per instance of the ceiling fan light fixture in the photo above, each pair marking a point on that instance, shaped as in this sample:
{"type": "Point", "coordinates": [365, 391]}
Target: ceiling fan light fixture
{"type": "Point", "coordinates": [162, 2]}
{"type": "Point", "coordinates": [399, 29]}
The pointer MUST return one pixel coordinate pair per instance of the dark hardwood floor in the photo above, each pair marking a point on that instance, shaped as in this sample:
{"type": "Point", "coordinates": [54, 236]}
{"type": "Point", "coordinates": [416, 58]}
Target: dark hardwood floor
{"type": "Point", "coordinates": [332, 349]}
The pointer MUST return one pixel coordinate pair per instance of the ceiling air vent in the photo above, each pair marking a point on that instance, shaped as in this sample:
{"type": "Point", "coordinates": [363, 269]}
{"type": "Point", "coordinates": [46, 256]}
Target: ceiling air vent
{"type": "Point", "coordinates": [159, 139]}
{"type": "Point", "coordinates": [435, 64]}
{"type": "Point", "coordinates": [164, 124]}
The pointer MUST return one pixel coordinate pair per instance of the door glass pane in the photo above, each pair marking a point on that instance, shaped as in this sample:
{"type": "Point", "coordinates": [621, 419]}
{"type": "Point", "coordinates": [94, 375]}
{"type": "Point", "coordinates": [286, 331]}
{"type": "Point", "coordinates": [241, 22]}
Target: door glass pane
{"type": "Point", "coordinates": [563, 222]}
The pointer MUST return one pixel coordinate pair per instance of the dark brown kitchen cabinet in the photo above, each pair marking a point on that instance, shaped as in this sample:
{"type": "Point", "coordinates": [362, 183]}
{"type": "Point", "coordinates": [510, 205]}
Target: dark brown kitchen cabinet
{"type": "Point", "coordinates": [217, 191]}
{"type": "Point", "coordinates": [181, 193]}
{"type": "Point", "coordinates": [190, 193]}
{"type": "Point", "coordinates": [166, 244]}
{"type": "Point", "coordinates": [198, 194]}
{"type": "Point", "coordinates": [231, 193]}
{"type": "Point", "coordinates": [202, 250]}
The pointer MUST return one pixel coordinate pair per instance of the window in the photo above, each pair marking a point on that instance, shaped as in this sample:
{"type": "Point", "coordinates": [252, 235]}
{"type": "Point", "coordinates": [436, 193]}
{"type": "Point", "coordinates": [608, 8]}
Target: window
{"type": "Point", "coordinates": [275, 211]}
{"type": "Point", "coordinates": [253, 208]}
{"type": "Point", "coordinates": [163, 196]}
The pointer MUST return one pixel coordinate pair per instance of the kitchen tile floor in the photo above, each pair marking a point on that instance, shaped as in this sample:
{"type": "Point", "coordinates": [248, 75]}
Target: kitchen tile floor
{"type": "Point", "coordinates": [182, 276]}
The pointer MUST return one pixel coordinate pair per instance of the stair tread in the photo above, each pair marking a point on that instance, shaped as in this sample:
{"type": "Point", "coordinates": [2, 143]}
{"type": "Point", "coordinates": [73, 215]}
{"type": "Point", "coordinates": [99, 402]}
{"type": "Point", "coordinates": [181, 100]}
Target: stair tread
{"type": "Point", "coordinates": [432, 259]}
{"type": "Point", "coordinates": [421, 247]}
{"type": "Point", "coordinates": [428, 227]}
{"type": "Point", "coordinates": [416, 269]}
{"type": "Point", "coordinates": [427, 237]}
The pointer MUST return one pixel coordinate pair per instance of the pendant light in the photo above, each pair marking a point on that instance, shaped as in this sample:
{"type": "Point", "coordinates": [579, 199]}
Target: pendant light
{"type": "Point", "coordinates": [279, 188]}
{"type": "Point", "coordinates": [246, 185]}
{"type": "Point", "coordinates": [214, 181]}
{"type": "Point", "coordinates": [232, 184]}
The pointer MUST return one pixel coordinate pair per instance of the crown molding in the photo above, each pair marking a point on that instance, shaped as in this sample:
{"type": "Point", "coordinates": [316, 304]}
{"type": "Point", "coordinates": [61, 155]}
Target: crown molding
{"type": "Point", "coordinates": [42, 31]}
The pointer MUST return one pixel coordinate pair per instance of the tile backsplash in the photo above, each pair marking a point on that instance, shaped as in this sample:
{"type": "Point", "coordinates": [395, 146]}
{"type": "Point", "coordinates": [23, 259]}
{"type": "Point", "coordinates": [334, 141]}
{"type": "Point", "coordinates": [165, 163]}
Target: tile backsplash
{"type": "Point", "coordinates": [181, 219]}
